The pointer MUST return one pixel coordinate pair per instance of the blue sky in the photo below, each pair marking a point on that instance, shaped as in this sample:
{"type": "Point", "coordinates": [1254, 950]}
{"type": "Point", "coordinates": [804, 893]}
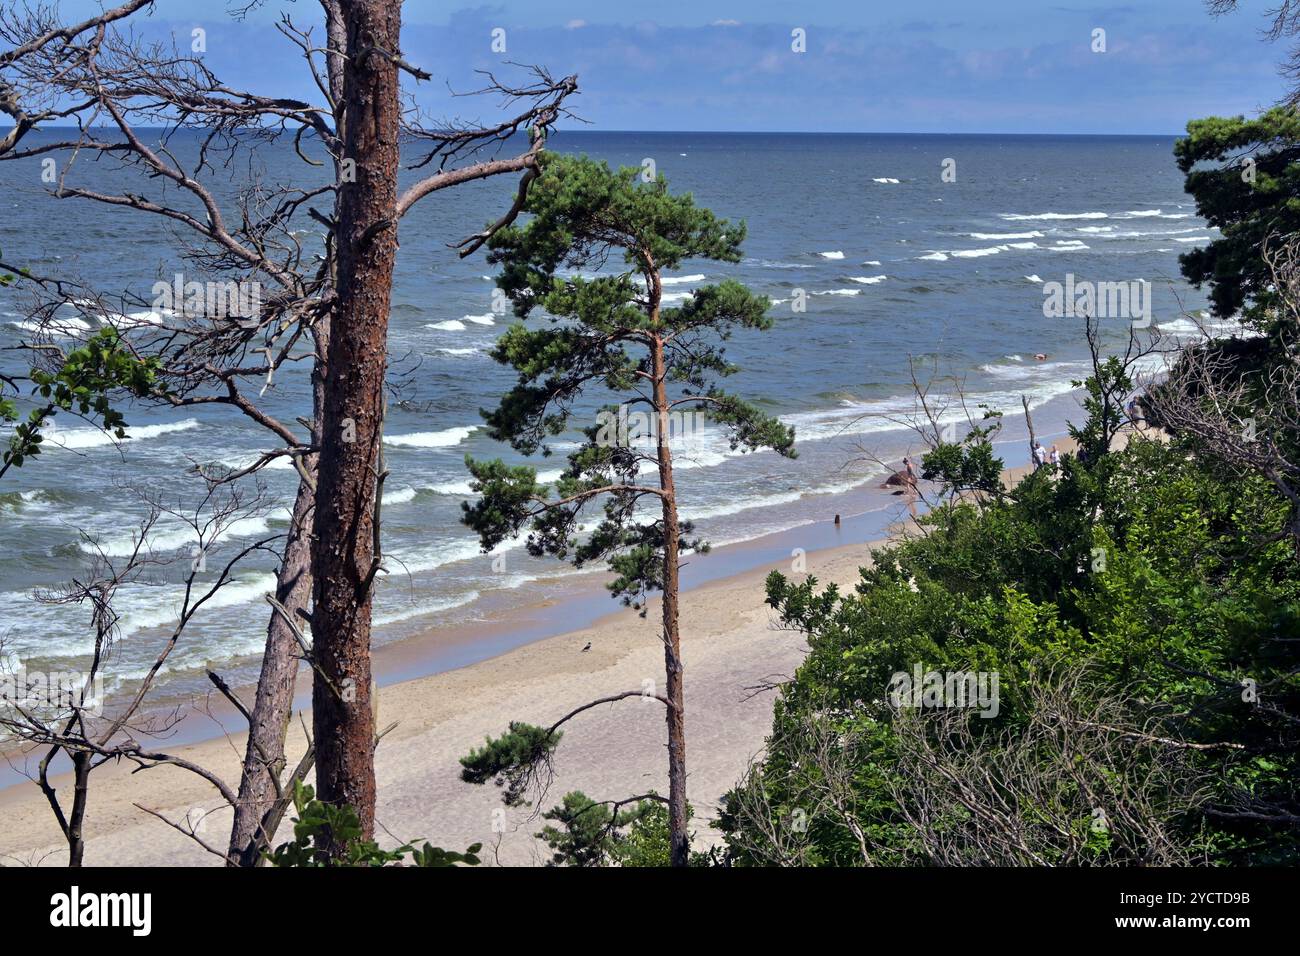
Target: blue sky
{"type": "Point", "coordinates": [1020, 66]}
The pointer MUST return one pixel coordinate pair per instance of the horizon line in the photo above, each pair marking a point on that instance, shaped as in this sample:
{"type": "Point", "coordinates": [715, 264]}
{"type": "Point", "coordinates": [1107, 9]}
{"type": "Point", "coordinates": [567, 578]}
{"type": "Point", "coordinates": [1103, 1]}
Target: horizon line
{"type": "Point", "coordinates": [759, 132]}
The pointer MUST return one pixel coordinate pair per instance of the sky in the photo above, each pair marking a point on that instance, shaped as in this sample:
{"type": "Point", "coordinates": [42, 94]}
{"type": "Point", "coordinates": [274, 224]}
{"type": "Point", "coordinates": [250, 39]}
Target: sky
{"type": "Point", "coordinates": [929, 66]}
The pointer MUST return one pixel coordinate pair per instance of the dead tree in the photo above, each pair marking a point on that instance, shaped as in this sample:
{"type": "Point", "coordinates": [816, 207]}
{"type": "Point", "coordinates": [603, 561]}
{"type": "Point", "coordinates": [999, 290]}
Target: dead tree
{"type": "Point", "coordinates": [122, 86]}
{"type": "Point", "coordinates": [66, 715]}
{"type": "Point", "coordinates": [1087, 779]}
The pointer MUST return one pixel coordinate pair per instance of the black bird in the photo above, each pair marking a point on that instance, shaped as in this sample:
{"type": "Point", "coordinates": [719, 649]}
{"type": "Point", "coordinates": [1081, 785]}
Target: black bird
{"type": "Point", "coordinates": [587, 648]}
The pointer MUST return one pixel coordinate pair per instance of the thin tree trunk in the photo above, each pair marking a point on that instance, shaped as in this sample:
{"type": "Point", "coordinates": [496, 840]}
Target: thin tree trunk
{"type": "Point", "coordinates": [264, 760]}
{"type": "Point", "coordinates": [273, 706]}
{"type": "Point", "coordinates": [345, 552]}
{"type": "Point", "coordinates": [1029, 422]}
{"type": "Point", "coordinates": [77, 816]}
{"type": "Point", "coordinates": [677, 825]}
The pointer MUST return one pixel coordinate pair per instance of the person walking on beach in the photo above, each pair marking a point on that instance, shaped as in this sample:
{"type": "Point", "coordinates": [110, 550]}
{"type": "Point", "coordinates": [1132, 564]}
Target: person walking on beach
{"type": "Point", "coordinates": [1039, 456]}
{"type": "Point", "coordinates": [1135, 411]}
{"type": "Point", "coordinates": [909, 473]}
{"type": "Point", "coordinates": [1055, 458]}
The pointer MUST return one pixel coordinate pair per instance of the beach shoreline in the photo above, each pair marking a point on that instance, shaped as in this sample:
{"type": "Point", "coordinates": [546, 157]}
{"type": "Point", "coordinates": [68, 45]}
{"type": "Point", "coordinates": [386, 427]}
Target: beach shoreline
{"type": "Point", "coordinates": [731, 644]}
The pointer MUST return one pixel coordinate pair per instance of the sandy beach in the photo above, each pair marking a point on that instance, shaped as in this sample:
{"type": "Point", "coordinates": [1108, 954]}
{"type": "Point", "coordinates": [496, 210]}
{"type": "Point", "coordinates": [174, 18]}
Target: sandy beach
{"type": "Point", "coordinates": [733, 647]}
{"type": "Point", "coordinates": [731, 644]}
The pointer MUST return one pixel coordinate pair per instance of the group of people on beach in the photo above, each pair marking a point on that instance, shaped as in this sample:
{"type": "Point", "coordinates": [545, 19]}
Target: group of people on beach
{"type": "Point", "coordinates": [1049, 458]}
{"type": "Point", "coordinates": [1044, 458]}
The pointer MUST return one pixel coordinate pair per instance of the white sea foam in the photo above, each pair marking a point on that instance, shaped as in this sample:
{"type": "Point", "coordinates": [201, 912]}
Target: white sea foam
{"type": "Point", "coordinates": [1039, 371]}
{"type": "Point", "coordinates": [487, 318]}
{"type": "Point", "coordinates": [80, 438]}
{"type": "Point", "coordinates": [892, 414]}
{"type": "Point", "coordinates": [741, 503]}
{"type": "Point", "coordinates": [240, 462]}
{"type": "Point", "coordinates": [55, 325]}
{"type": "Point", "coordinates": [885, 179]}
{"type": "Point", "coordinates": [1052, 216]}
{"type": "Point", "coordinates": [680, 280]}
{"type": "Point", "coordinates": [1204, 327]}
{"type": "Point", "coordinates": [137, 319]}
{"type": "Point", "coordinates": [773, 264]}
{"type": "Point", "coordinates": [418, 609]}
{"type": "Point", "coordinates": [935, 257]}
{"type": "Point", "coordinates": [459, 351]}
{"type": "Point", "coordinates": [399, 496]}
{"type": "Point", "coordinates": [165, 540]}
{"type": "Point", "coordinates": [831, 255]}
{"type": "Point", "coordinates": [164, 609]}
{"type": "Point", "coordinates": [837, 292]}
{"type": "Point", "coordinates": [440, 439]}
{"type": "Point", "coordinates": [1108, 232]}
{"type": "Point", "coordinates": [462, 489]}
{"type": "Point", "coordinates": [1035, 234]}
{"type": "Point", "coordinates": [868, 280]}
{"type": "Point", "coordinates": [451, 325]}
{"type": "Point", "coordinates": [446, 552]}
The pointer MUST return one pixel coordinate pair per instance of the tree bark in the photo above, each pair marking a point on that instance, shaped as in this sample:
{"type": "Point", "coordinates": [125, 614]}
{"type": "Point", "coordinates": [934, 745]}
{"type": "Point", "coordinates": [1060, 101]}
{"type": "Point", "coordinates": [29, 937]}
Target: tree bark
{"type": "Point", "coordinates": [345, 553]}
{"type": "Point", "coordinates": [264, 760]}
{"type": "Point", "coordinates": [77, 815]}
{"type": "Point", "coordinates": [677, 823]}
{"type": "Point", "coordinates": [273, 706]}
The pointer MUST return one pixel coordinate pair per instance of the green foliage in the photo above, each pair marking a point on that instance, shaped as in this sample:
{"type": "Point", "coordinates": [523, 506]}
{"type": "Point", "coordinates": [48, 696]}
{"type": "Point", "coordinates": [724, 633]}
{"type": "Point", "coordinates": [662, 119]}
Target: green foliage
{"type": "Point", "coordinates": [82, 383]}
{"type": "Point", "coordinates": [319, 825]}
{"type": "Point", "coordinates": [594, 834]}
{"type": "Point", "coordinates": [1220, 157]}
{"type": "Point", "coordinates": [588, 831]}
{"type": "Point", "coordinates": [1148, 567]}
{"type": "Point", "coordinates": [968, 465]}
{"type": "Point", "coordinates": [511, 760]}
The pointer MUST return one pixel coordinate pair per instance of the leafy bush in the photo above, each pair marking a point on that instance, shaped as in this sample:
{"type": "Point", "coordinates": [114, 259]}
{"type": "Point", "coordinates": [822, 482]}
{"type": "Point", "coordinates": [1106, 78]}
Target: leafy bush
{"type": "Point", "coordinates": [319, 825]}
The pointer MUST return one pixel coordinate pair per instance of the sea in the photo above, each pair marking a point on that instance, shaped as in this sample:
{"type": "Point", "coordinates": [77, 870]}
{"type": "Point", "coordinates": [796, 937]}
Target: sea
{"type": "Point", "coordinates": [884, 256]}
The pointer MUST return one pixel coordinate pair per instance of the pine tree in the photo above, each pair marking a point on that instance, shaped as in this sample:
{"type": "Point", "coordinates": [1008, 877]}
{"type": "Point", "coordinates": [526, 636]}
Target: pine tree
{"type": "Point", "coordinates": [611, 334]}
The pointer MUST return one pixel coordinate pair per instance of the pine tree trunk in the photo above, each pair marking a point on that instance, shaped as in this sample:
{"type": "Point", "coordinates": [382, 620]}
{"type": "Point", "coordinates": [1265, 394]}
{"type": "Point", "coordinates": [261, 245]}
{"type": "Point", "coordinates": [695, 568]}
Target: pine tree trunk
{"type": "Point", "coordinates": [344, 550]}
{"type": "Point", "coordinates": [677, 825]}
{"type": "Point", "coordinates": [273, 705]}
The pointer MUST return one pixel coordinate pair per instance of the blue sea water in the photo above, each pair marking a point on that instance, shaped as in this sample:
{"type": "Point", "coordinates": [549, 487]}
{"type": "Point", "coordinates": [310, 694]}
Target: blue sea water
{"type": "Point", "coordinates": [896, 266]}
